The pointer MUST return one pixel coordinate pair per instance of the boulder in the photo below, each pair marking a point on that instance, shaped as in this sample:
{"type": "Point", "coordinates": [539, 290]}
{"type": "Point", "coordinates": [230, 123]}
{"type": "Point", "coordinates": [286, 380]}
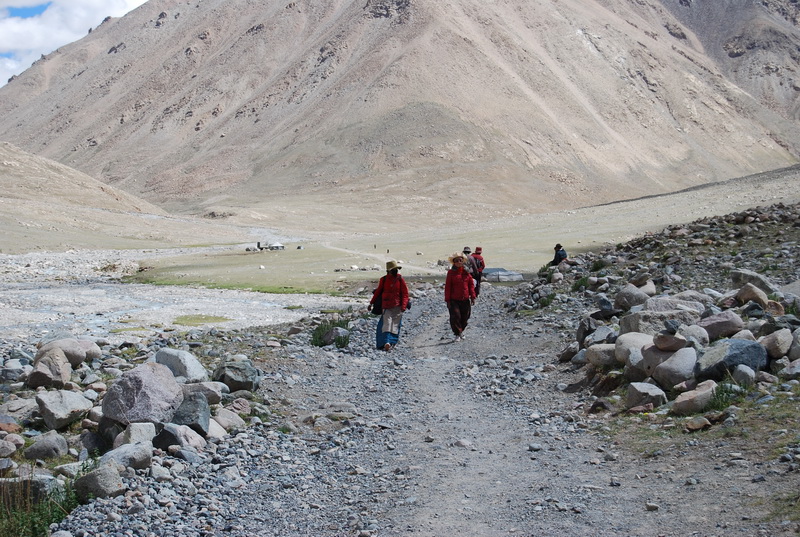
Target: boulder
{"type": "Point", "coordinates": [61, 408]}
{"type": "Point", "coordinates": [652, 322]}
{"type": "Point", "coordinates": [147, 393]}
{"type": "Point", "coordinates": [631, 341]}
{"type": "Point", "coordinates": [724, 355]}
{"type": "Point", "coordinates": [629, 296]}
{"type": "Point", "coordinates": [750, 292]}
{"type": "Point", "coordinates": [184, 365]}
{"type": "Point", "coordinates": [194, 412]}
{"type": "Point", "coordinates": [696, 400]}
{"type": "Point", "coordinates": [777, 343]}
{"type": "Point", "coordinates": [47, 446]}
{"type": "Point", "coordinates": [642, 393]}
{"type": "Point", "coordinates": [76, 351]}
{"type": "Point", "coordinates": [238, 373]}
{"type": "Point", "coordinates": [601, 355]}
{"type": "Point", "coordinates": [137, 456]}
{"type": "Point", "coordinates": [50, 369]}
{"type": "Point", "coordinates": [677, 368]}
{"type": "Point", "coordinates": [178, 435]}
{"type": "Point", "coordinates": [102, 482]}
{"type": "Point", "coordinates": [740, 277]}
{"type": "Point", "coordinates": [663, 303]}
{"type": "Point", "coordinates": [723, 324]}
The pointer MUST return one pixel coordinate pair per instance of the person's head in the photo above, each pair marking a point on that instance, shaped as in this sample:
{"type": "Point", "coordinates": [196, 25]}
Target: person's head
{"type": "Point", "coordinates": [392, 267]}
{"type": "Point", "coordinates": [457, 260]}
{"type": "Point", "coordinates": [478, 250]}
{"type": "Point", "coordinates": [557, 247]}
{"type": "Point", "coordinates": [467, 250]}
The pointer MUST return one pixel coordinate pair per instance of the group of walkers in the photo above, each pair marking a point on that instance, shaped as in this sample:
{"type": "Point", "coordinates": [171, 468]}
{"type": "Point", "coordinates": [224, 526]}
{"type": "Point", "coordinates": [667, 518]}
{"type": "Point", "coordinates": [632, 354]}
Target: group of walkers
{"type": "Point", "coordinates": [461, 289]}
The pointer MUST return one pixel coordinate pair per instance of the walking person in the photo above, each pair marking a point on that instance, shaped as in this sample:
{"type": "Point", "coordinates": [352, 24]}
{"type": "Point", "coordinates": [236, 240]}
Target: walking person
{"type": "Point", "coordinates": [459, 294]}
{"type": "Point", "coordinates": [393, 294]}
{"type": "Point", "coordinates": [480, 264]}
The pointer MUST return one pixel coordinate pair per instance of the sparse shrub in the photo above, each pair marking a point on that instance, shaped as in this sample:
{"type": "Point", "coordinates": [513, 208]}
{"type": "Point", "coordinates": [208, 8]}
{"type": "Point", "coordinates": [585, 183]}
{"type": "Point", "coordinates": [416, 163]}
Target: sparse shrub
{"type": "Point", "coordinates": [318, 335]}
{"type": "Point", "coordinates": [580, 283]}
{"type": "Point", "coordinates": [546, 301]}
{"type": "Point", "coordinates": [725, 394]}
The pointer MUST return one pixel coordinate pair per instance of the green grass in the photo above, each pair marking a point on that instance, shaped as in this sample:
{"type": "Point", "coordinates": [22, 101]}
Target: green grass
{"type": "Point", "coordinates": [199, 320]}
{"type": "Point", "coordinates": [580, 282]}
{"type": "Point", "coordinates": [319, 333]}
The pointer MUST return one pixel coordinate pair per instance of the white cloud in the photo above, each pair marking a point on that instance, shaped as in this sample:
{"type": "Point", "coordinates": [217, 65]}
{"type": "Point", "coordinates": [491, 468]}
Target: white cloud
{"type": "Point", "coordinates": [24, 40]}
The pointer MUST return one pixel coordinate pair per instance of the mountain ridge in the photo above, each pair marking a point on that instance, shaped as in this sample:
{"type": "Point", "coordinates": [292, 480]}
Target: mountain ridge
{"type": "Point", "coordinates": [270, 111]}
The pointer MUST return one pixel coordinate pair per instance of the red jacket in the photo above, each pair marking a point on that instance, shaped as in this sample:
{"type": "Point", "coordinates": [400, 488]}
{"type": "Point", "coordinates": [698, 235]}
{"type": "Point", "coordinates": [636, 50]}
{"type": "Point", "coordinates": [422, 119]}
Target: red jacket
{"type": "Point", "coordinates": [459, 285]}
{"type": "Point", "coordinates": [393, 291]}
{"type": "Point", "coordinates": [479, 262]}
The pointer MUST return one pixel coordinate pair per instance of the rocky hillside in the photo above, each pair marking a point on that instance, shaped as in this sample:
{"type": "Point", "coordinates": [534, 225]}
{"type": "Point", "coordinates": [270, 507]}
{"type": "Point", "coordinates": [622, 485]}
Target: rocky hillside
{"type": "Point", "coordinates": [270, 110]}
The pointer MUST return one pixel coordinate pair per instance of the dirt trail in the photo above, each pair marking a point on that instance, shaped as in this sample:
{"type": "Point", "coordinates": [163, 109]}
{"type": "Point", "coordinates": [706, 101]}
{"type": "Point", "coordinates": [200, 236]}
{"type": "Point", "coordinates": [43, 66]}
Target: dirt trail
{"type": "Point", "coordinates": [526, 460]}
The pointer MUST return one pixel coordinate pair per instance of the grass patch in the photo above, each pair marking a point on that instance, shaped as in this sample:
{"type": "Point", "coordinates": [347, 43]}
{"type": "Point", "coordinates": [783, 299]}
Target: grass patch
{"type": "Point", "coordinates": [317, 336]}
{"type": "Point", "coordinates": [30, 519]}
{"type": "Point", "coordinates": [580, 283]}
{"type": "Point", "coordinates": [199, 320]}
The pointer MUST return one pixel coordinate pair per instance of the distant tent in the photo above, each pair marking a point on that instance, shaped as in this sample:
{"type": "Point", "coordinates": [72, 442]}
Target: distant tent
{"type": "Point", "coordinates": [501, 275]}
{"type": "Point", "coordinates": [276, 246]}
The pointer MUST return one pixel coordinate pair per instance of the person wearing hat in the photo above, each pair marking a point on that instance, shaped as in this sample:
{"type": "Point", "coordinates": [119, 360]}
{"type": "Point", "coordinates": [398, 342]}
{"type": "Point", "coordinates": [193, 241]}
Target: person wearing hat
{"type": "Point", "coordinates": [459, 294]}
{"type": "Point", "coordinates": [393, 292]}
{"type": "Point", "coordinates": [480, 264]}
{"type": "Point", "coordinates": [560, 256]}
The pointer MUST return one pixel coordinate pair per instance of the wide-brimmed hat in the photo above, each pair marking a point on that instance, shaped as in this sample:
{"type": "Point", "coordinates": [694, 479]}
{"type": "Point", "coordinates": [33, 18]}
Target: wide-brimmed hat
{"type": "Point", "coordinates": [478, 250]}
{"type": "Point", "coordinates": [457, 255]}
{"type": "Point", "coordinates": [467, 250]}
{"type": "Point", "coordinates": [392, 265]}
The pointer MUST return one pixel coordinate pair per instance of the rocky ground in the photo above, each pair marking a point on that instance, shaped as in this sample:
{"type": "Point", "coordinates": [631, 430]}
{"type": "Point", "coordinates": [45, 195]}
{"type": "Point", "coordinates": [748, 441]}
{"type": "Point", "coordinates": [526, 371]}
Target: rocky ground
{"type": "Point", "coordinates": [483, 437]}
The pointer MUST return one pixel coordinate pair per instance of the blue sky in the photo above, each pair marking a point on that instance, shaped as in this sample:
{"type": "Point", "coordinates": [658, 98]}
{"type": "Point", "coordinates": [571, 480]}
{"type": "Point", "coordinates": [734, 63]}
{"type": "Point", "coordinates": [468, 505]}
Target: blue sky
{"type": "Point", "coordinates": [30, 28]}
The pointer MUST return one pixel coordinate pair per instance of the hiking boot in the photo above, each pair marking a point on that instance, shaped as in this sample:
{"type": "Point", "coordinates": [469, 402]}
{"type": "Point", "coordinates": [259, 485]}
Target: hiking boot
{"type": "Point", "coordinates": [387, 347]}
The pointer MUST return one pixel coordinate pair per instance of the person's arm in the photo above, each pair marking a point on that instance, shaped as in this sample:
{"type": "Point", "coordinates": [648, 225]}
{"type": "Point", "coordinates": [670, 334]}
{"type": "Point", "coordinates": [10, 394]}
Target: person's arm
{"type": "Point", "coordinates": [471, 288]}
{"type": "Point", "coordinates": [378, 292]}
{"type": "Point", "coordinates": [403, 294]}
{"type": "Point", "coordinates": [448, 282]}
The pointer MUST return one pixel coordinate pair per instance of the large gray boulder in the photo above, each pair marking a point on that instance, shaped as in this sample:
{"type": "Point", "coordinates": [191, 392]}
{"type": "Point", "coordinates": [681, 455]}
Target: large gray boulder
{"type": "Point", "coordinates": [47, 446]}
{"type": "Point", "coordinates": [643, 393]}
{"type": "Point", "coordinates": [696, 400]}
{"type": "Point", "coordinates": [61, 408]}
{"type": "Point", "coordinates": [652, 322]}
{"type": "Point", "coordinates": [136, 456]}
{"type": "Point", "coordinates": [723, 324]}
{"type": "Point", "coordinates": [677, 368]}
{"type": "Point", "coordinates": [740, 277]}
{"type": "Point", "coordinates": [147, 393]}
{"type": "Point", "coordinates": [627, 343]}
{"type": "Point", "coordinates": [77, 351]}
{"type": "Point", "coordinates": [183, 364]}
{"type": "Point", "coordinates": [723, 356]}
{"type": "Point", "coordinates": [238, 373]}
{"type": "Point", "coordinates": [629, 296]}
{"type": "Point", "coordinates": [50, 369]}
{"type": "Point", "coordinates": [102, 482]}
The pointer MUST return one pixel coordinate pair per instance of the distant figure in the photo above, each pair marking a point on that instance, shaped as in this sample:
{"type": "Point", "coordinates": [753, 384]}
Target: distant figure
{"type": "Point", "coordinates": [480, 264]}
{"type": "Point", "coordinates": [459, 294]}
{"type": "Point", "coordinates": [393, 292]}
{"type": "Point", "coordinates": [560, 257]}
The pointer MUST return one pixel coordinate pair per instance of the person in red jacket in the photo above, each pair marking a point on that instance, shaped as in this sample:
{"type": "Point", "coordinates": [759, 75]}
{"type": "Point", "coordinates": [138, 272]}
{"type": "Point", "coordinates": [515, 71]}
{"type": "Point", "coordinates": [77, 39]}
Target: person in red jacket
{"type": "Point", "coordinates": [480, 264]}
{"type": "Point", "coordinates": [459, 294]}
{"type": "Point", "coordinates": [393, 291]}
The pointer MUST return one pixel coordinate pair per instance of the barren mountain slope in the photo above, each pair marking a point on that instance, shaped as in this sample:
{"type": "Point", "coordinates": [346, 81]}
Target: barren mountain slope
{"type": "Point", "coordinates": [44, 204]}
{"type": "Point", "coordinates": [310, 114]}
{"type": "Point", "coordinates": [754, 43]}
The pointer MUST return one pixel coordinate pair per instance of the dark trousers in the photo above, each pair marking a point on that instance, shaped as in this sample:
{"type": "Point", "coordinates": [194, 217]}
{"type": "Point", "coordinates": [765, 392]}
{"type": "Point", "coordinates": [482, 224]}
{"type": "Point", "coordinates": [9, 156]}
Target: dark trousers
{"type": "Point", "coordinates": [460, 310]}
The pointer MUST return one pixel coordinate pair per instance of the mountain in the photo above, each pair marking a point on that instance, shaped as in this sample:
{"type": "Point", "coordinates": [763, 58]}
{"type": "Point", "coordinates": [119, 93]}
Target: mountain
{"type": "Point", "coordinates": [406, 113]}
{"type": "Point", "coordinates": [46, 205]}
